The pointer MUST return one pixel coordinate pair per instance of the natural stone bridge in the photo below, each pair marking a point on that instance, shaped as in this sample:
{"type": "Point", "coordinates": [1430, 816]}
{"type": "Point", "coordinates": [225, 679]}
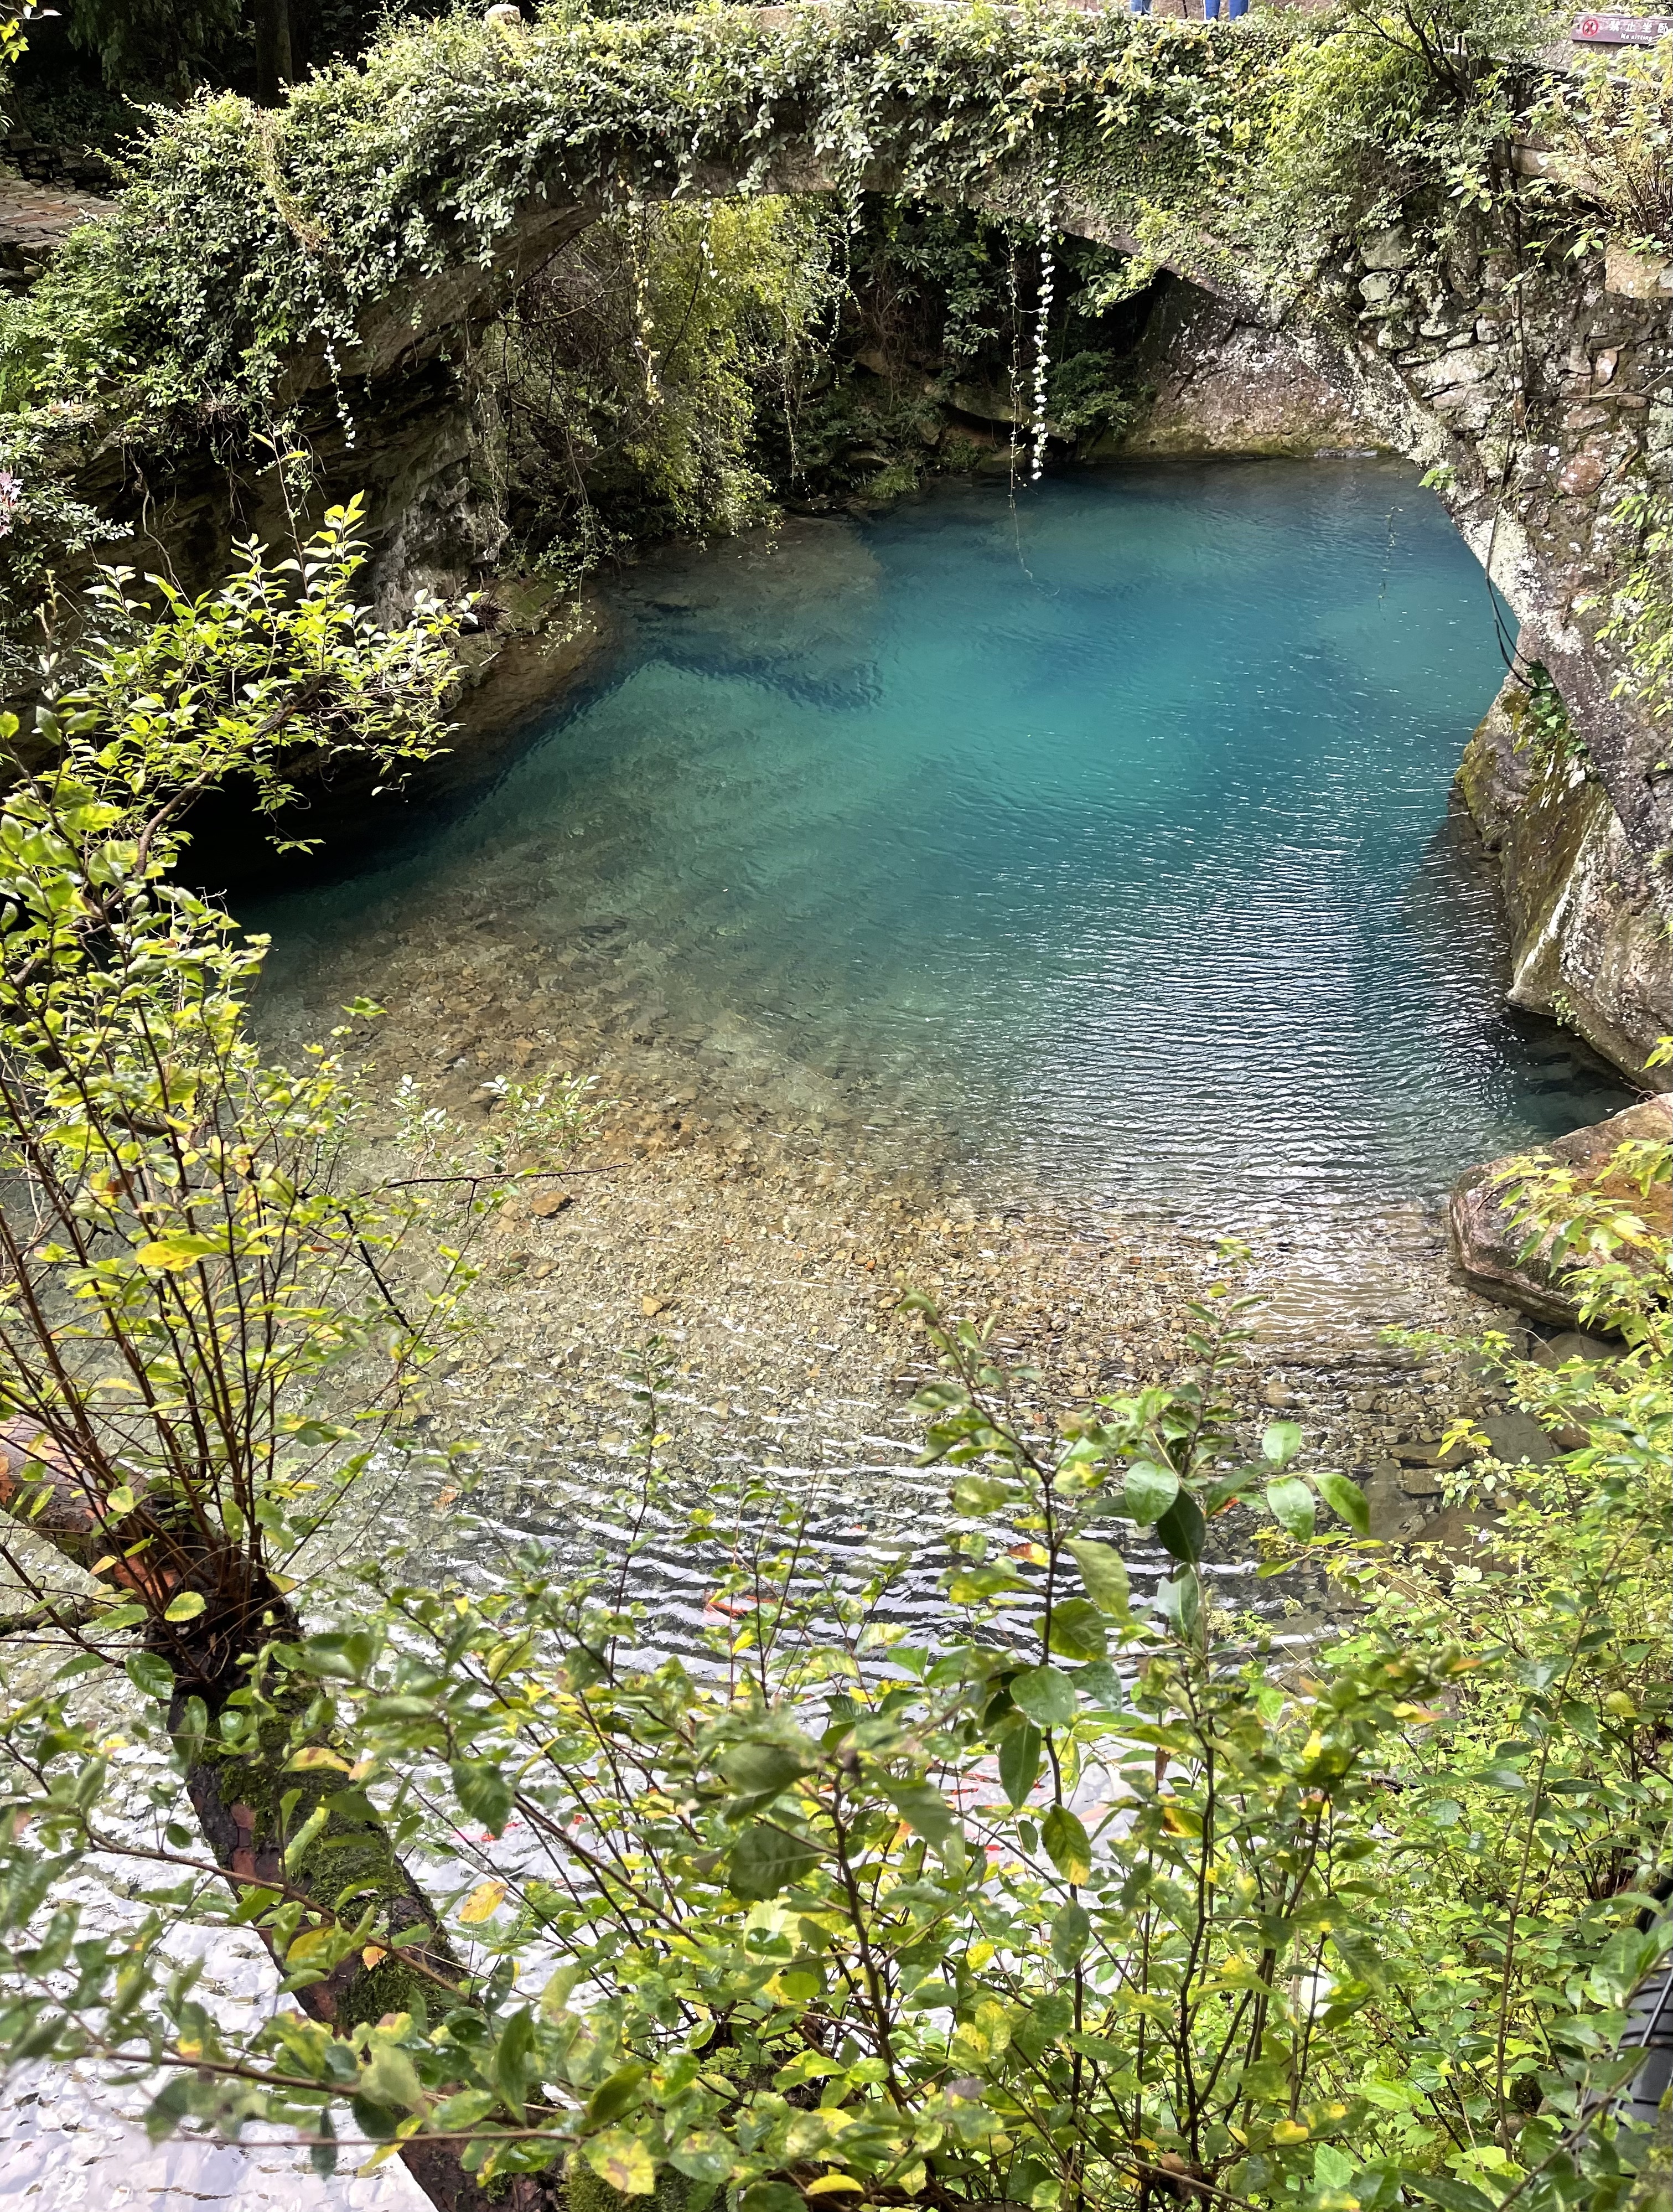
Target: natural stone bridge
{"type": "Point", "coordinates": [1531, 386]}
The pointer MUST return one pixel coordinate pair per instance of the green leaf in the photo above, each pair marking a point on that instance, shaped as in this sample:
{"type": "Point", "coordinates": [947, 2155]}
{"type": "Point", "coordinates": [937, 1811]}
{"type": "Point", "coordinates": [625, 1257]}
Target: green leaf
{"type": "Point", "coordinates": [923, 1807]}
{"type": "Point", "coordinates": [464, 2108]}
{"type": "Point", "coordinates": [704, 2155]}
{"type": "Point", "coordinates": [772, 2197]}
{"type": "Point", "coordinates": [1071, 1931]}
{"type": "Point", "coordinates": [185, 1606]}
{"type": "Point", "coordinates": [1181, 1600]}
{"type": "Point", "coordinates": [975, 1585]}
{"type": "Point", "coordinates": [760, 1770]}
{"type": "Point", "coordinates": [121, 1616]}
{"type": "Point", "coordinates": [483, 1792]}
{"type": "Point", "coordinates": [1291, 1501]}
{"type": "Point", "coordinates": [151, 1676]}
{"type": "Point", "coordinates": [1101, 1684]}
{"type": "Point", "coordinates": [612, 2098]}
{"type": "Point", "coordinates": [1183, 1529]}
{"type": "Point", "coordinates": [376, 2122]}
{"type": "Point", "coordinates": [1046, 1695]}
{"type": "Point", "coordinates": [1077, 1630]}
{"type": "Point", "coordinates": [1281, 1441]}
{"type": "Point", "coordinates": [974, 1495]}
{"type": "Point", "coordinates": [173, 1252]}
{"type": "Point", "coordinates": [1151, 1491]}
{"type": "Point", "coordinates": [1067, 1843]}
{"type": "Point", "coordinates": [1452, 2196]}
{"type": "Point", "coordinates": [765, 1860]}
{"type": "Point", "coordinates": [623, 2161]}
{"type": "Point", "coordinates": [388, 2079]}
{"type": "Point", "coordinates": [1104, 1572]}
{"type": "Point", "coordinates": [1346, 1500]}
{"type": "Point", "coordinates": [168, 2108]}
{"type": "Point", "coordinates": [515, 2065]}
{"type": "Point", "coordinates": [1226, 1489]}
{"type": "Point", "coordinates": [1019, 1760]}
{"type": "Point", "coordinates": [323, 2153]}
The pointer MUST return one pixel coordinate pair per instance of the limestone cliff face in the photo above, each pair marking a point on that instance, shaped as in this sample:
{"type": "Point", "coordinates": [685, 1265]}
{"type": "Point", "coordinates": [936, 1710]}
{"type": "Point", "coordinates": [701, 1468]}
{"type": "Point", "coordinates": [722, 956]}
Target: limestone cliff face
{"type": "Point", "coordinates": [1224, 383]}
{"type": "Point", "coordinates": [1590, 936]}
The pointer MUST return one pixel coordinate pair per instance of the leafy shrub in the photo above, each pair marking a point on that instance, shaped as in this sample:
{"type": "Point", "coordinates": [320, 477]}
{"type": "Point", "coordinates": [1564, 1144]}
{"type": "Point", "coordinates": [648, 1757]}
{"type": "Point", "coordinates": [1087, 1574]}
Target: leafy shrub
{"type": "Point", "coordinates": [1082, 1900]}
{"type": "Point", "coordinates": [630, 376]}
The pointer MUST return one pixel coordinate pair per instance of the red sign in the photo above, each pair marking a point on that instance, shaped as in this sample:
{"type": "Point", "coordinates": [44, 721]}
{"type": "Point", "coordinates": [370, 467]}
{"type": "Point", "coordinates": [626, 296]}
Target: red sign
{"type": "Point", "coordinates": [1622, 30]}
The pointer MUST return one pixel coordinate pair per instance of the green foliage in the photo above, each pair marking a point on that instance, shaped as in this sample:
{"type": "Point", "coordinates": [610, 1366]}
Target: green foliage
{"type": "Point", "coordinates": [632, 374]}
{"type": "Point", "coordinates": [943, 300]}
{"type": "Point", "coordinates": [1610, 129]}
{"type": "Point", "coordinates": [1087, 394]}
{"type": "Point", "coordinates": [1543, 728]}
{"type": "Point", "coordinates": [1089, 1899]}
{"type": "Point", "coordinates": [372, 179]}
{"type": "Point", "coordinates": [1638, 614]}
{"type": "Point", "coordinates": [1391, 102]}
{"type": "Point", "coordinates": [14, 41]}
{"type": "Point", "coordinates": [187, 1248]}
{"type": "Point", "coordinates": [932, 280]}
{"type": "Point", "coordinates": [141, 45]}
{"type": "Point", "coordinates": [173, 695]}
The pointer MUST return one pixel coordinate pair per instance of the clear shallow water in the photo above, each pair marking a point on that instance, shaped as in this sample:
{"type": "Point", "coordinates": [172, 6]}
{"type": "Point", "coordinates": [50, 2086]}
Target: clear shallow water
{"type": "Point", "coordinates": [1108, 835]}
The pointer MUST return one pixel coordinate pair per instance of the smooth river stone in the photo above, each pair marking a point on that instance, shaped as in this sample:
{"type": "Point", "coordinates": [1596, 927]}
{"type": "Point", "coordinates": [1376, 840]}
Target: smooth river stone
{"type": "Point", "coordinates": [1487, 1241]}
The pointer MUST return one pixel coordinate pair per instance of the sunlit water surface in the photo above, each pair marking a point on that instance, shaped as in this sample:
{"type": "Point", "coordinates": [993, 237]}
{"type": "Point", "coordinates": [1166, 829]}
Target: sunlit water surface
{"type": "Point", "coordinates": [1107, 833]}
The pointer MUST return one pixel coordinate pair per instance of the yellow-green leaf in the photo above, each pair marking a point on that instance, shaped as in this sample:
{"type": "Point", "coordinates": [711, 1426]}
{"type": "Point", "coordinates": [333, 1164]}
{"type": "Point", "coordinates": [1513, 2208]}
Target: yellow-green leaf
{"type": "Point", "coordinates": [390, 2080]}
{"type": "Point", "coordinates": [187, 1607]}
{"type": "Point", "coordinates": [623, 2161]}
{"type": "Point", "coordinates": [311, 1940]}
{"type": "Point", "coordinates": [1067, 1843]}
{"type": "Point", "coordinates": [483, 1902]}
{"type": "Point", "coordinates": [173, 1252]}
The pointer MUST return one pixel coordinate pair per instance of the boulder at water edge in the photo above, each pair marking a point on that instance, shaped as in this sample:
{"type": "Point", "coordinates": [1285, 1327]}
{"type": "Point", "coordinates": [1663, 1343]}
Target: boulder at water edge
{"type": "Point", "coordinates": [1488, 1240]}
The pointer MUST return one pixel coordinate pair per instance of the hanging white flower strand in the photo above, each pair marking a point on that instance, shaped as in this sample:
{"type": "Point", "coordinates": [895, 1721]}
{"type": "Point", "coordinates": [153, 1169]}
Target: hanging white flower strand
{"type": "Point", "coordinates": [1043, 319]}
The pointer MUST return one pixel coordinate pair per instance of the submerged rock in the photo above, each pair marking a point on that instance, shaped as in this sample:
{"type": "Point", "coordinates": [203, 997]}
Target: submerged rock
{"type": "Point", "coordinates": [1488, 1242]}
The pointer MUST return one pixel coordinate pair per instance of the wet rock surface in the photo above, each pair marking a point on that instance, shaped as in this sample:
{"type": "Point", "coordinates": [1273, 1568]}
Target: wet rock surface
{"type": "Point", "coordinates": [1224, 384]}
{"type": "Point", "coordinates": [1589, 931]}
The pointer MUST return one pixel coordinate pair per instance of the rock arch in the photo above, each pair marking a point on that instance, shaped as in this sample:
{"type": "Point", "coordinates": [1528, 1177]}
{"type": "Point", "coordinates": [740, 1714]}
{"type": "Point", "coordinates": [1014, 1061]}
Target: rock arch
{"type": "Point", "coordinates": [1527, 392]}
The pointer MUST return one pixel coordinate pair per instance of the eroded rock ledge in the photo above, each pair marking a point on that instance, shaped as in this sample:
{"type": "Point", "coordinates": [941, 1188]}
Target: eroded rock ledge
{"type": "Point", "coordinates": [1589, 940]}
{"type": "Point", "coordinates": [1490, 1242]}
